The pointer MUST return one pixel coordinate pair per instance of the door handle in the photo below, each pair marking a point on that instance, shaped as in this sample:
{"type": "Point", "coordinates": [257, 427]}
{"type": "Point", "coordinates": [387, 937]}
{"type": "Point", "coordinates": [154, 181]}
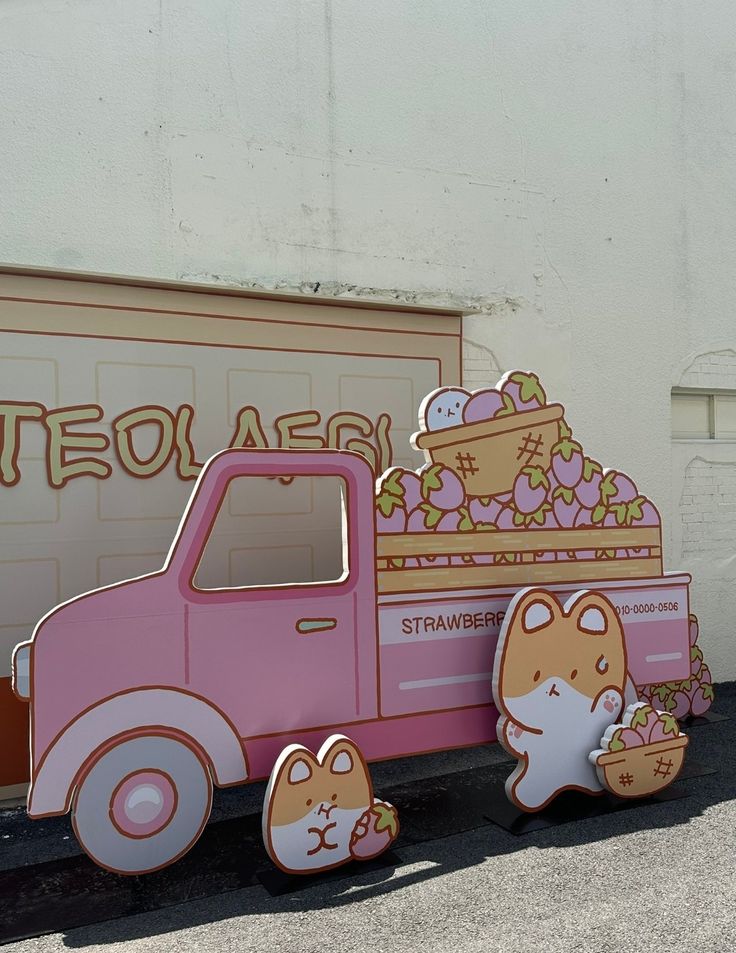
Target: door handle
{"type": "Point", "coordinates": [307, 626]}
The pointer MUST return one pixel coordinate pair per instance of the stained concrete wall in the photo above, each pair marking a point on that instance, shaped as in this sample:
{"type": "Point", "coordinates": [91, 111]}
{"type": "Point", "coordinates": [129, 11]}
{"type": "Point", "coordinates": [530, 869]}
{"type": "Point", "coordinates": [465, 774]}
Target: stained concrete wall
{"type": "Point", "coordinates": [563, 169]}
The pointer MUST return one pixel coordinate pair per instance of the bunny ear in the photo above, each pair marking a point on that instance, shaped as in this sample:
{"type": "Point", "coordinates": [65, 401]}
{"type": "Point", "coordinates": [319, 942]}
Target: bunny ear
{"type": "Point", "coordinates": [537, 610]}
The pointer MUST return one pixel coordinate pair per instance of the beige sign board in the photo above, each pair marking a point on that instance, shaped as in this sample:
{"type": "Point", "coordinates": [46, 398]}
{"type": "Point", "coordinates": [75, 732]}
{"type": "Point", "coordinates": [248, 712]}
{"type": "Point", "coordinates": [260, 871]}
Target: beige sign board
{"type": "Point", "coordinates": [113, 393]}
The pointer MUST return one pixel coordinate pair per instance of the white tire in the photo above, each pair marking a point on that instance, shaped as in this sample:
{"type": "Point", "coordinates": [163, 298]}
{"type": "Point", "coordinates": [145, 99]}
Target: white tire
{"type": "Point", "coordinates": [142, 804]}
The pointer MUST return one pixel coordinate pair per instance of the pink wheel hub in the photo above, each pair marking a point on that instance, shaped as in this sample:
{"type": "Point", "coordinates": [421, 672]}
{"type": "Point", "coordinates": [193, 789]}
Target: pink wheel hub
{"type": "Point", "coordinates": [143, 803]}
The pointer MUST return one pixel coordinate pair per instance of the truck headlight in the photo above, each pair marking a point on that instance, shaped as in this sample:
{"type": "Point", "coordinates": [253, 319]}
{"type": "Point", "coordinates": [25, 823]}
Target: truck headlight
{"type": "Point", "coordinates": [22, 671]}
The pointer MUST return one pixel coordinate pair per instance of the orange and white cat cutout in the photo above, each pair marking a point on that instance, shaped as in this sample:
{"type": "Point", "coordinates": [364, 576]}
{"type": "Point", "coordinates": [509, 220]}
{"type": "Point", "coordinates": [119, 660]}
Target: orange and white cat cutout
{"type": "Point", "coordinates": [560, 679]}
{"type": "Point", "coordinates": [319, 811]}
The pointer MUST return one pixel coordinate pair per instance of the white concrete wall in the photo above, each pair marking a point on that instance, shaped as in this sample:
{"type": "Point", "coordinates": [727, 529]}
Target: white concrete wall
{"type": "Point", "coordinates": [566, 167]}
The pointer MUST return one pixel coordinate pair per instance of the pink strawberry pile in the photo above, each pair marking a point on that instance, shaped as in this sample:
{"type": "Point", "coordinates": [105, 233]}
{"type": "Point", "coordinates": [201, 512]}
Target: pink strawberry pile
{"type": "Point", "coordinates": [376, 829]}
{"type": "Point", "coordinates": [641, 725]}
{"type": "Point", "coordinates": [693, 695]}
{"type": "Point", "coordinates": [572, 493]}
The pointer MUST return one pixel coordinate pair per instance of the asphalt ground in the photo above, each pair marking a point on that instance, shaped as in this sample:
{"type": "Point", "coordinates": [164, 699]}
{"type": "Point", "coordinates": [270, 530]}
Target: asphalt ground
{"type": "Point", "coordinates": [655, 877]}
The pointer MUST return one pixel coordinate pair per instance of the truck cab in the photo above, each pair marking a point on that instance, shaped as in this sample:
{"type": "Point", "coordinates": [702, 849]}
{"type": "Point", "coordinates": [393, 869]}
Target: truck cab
{"type": "Point", "coordinates": [143, 693]}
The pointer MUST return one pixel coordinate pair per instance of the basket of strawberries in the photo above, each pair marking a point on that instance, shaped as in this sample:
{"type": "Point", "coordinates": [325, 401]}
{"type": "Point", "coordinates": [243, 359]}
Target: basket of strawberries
{"type": "Point", "coordinates": [488, 437]}
{"type": "Point", "coordinates": [491, 507]}
{"type": "Point", "coordinates": [641, 755]}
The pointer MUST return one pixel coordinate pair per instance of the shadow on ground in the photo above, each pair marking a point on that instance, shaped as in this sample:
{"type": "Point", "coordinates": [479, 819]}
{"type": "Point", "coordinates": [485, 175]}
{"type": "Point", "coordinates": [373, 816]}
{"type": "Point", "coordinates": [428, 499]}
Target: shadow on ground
{"type": "Point", "coordinates": [71, 895]}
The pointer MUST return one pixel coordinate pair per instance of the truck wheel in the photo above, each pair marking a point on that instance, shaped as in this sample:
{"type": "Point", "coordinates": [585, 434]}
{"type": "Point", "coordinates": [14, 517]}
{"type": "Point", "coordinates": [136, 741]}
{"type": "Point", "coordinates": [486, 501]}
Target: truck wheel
{"type": "Point", "coordinates": [142, 804]}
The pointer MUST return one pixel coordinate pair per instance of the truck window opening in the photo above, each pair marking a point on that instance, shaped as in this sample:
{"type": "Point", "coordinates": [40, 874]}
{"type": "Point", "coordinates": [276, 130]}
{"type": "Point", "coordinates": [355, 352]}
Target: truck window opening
{"type": "Point", "coordinates": [276, 531]}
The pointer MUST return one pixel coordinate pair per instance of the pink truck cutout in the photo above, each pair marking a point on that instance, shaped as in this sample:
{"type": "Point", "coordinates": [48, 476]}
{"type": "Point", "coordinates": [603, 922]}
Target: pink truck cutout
{"type": "Point", "coordinates": [146, 693]}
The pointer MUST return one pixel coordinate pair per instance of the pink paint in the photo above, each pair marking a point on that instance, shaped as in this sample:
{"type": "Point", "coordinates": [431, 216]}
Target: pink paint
{"type": "Point", "coordinates": [424, 676]}
{"type": "Point", "coordinates": [387, 737]}
{"type": "Point", "coordinates": [657, 650]}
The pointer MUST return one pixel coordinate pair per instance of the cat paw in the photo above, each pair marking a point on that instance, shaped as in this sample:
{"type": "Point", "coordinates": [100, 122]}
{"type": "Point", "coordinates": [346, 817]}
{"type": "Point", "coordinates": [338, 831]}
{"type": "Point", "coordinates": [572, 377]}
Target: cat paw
{"type": "Point", "coordinates": [514, 737]}
{"type": "Point", "coordinates": [611, 702]}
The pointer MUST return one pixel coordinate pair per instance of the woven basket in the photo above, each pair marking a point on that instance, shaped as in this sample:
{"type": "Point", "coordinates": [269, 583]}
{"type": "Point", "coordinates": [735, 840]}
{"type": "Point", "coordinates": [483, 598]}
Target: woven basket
{"type": "Point", "coordinates": [488, 455]}
{"type": "Point", "coordinates": [639, 772]}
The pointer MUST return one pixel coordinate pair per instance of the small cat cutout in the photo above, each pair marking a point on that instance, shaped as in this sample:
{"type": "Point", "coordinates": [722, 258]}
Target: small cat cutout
{"type": "Point", "coordinates": [319, 811]}
{"type": "Point", "coordinates": [560, 679]}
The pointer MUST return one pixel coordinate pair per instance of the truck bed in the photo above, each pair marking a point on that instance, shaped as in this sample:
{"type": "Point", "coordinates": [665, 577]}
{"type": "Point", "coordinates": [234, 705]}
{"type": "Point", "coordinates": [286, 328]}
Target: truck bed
{"type": "Point", "coordinates": [437, 649]}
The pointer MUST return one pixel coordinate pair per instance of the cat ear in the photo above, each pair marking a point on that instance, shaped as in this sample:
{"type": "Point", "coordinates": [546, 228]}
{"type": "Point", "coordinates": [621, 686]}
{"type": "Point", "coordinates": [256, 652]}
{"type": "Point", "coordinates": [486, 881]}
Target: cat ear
{"type": "Point", "coordinates": [342, 763]}
{"type": "Point", "coordinates": [295, 765]}
{"type": "Point", "coordinates": [593, 620]}
{"type": "Point", "coordinates": [340, 755]}
{"type": "Point", "coordinates": [537, 610]}
{"type": "Point", "coordinates": [593, 613]}
{"type": "Point", "coordinates": [299, 770]}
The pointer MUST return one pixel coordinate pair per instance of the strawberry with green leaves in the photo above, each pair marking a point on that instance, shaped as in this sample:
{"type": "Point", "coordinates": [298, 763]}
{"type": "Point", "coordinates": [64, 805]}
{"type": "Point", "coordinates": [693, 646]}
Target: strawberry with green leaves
{"type": "Point", "coordinates": [391, 516]}
{"type": "Point", "coordinates": [664, 729]}
{"type": "Point", "coordinates": [624, 738]}
{"type": "Point", "coordinates": [566, 506]}
{"type": "Point", "coordinates": [568, 462]}
{"type": "Point", "coordinates": [487, 404]}
{"type": "Point", "coordinates": [588, 489]}
{"type": "Point", "coordinates": [530, 490]}
{"type": "Point", "coordinates": [403, 484]}
{"type": "Point", "coordinates": [442, 488]}
{"type": "Point", "coordinates": [485, 509]}
{"type": "Point", "coordinates": [642, 718]}
{"type": "Point", "coordinates": [524, 390]}
{"type": "Point", "coordinates": [641, 725]}
{"type": "Point", "coordinates": [375, 831]}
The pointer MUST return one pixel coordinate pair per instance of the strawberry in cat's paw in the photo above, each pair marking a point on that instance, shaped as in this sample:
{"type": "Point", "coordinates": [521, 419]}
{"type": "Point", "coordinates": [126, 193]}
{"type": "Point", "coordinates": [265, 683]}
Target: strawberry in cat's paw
{"type": "Point", "coordinates": [375, 830]}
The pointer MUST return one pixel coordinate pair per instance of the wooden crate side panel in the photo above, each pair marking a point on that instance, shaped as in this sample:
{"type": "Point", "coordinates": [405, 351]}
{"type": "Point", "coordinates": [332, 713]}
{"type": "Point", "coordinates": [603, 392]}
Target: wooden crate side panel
{"type": "Point", "coordinates": [517, 541]}
{"type": "Point", "coordinates": [521, 574]}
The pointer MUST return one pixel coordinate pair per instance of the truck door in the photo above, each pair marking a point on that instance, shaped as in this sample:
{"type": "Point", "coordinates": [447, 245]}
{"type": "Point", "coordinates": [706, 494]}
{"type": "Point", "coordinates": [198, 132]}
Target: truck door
{"type": "Point", "coordinates": [271, 632]}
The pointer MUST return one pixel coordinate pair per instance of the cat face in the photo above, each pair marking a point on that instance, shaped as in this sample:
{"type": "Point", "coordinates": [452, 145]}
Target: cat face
{"type": "Point", "coordinates": [443, 408]}
{"type": "Point", "coordinates": [313, 803]}
{"type": "Point", "coordinates": [556, 661]}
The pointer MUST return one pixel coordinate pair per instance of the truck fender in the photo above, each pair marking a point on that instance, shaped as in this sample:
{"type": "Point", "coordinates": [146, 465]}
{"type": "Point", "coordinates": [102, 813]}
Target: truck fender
{"type": "Point", "coordinates": [158, 710]}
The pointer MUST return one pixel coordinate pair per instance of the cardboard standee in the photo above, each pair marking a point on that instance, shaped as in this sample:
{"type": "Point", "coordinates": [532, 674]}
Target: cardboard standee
{"type": "Point", "coordinates": [172, 684]}
{"type": "Point", "coordinates": [559, 680]}
{"type": "Point", "coordinates": [319, 811]}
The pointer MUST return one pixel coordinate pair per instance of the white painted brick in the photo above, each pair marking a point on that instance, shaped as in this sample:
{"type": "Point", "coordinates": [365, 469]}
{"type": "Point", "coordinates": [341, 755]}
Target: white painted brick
{"type": "Point", "coordinates": [708, 503]}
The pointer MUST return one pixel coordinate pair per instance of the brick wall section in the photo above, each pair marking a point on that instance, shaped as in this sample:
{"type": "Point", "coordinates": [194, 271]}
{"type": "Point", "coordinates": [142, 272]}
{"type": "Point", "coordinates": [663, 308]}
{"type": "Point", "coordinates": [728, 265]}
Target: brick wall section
{"type": "Point", "coordinates": [708, 509]}
{"type": "Point", "coordinates": [713, 370]}
{"type": "Point", "coordinates": [708, 501]}
{"type": "Point", "coordinates": [480, 367]}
